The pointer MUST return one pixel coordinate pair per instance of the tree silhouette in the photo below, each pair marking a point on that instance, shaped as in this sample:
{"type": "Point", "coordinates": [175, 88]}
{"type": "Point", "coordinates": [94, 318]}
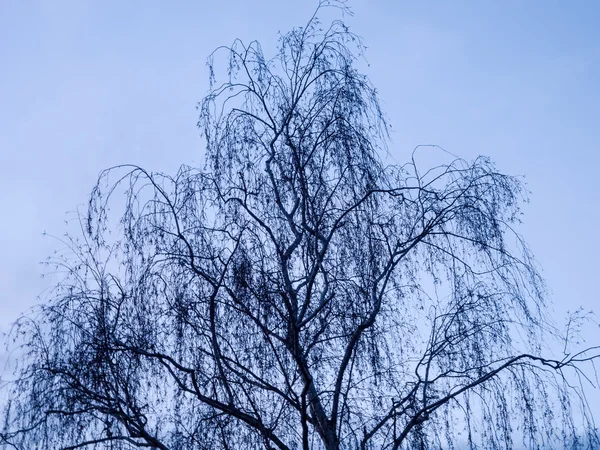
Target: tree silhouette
{"type": "Point", "coordinates": [296, 292]}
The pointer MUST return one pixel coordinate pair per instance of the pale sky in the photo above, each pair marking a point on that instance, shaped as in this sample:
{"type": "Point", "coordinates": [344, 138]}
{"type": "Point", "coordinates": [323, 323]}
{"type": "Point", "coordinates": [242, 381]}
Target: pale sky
{"type": "Point", "coordinates": [89, 84]}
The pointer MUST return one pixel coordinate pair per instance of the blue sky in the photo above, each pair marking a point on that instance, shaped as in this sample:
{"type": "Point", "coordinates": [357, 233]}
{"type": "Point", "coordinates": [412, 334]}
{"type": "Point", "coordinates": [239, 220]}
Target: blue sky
{"type": "Point", "coordinates": [89, 84]}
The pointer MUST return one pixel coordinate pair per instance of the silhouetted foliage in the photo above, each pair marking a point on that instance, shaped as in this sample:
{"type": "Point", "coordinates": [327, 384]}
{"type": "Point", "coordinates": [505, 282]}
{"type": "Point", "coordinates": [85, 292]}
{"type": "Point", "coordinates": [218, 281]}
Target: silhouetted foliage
{"type": "Point", "coordinates": [296, 292]}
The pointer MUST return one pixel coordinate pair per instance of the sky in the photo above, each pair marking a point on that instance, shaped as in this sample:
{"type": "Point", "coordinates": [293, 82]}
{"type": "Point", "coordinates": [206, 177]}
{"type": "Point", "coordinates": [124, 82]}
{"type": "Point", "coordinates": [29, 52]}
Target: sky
{"type": "Point", "coordinates": [85, 85]}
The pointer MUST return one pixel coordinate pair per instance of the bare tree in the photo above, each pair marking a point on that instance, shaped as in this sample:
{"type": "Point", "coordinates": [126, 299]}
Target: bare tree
{"type": "Point", "coordinates": [296, 292]}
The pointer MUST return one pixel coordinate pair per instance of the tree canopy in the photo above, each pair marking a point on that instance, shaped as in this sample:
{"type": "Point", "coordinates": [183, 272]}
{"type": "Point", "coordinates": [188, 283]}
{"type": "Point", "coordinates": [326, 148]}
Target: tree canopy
{"type": "Point", "coordinates": [296, 292]}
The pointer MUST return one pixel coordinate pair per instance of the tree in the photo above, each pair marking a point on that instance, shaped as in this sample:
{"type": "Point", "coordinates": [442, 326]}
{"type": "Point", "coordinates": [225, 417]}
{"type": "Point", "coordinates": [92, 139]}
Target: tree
{"type": "Point", "coordinates": [296, 292]}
